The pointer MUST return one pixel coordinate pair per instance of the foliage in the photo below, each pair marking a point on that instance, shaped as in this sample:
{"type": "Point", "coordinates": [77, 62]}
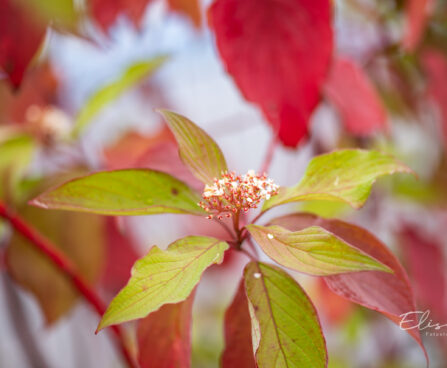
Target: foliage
{"type": "Point", "coordinates": [276, 302]}
{"type": "Point", "coordinates": [281, 57]}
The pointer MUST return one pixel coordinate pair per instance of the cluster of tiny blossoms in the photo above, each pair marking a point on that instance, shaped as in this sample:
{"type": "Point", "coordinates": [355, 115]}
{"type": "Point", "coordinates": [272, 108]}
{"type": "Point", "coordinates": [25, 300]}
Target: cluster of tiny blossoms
{"type": "Point", "coordinates": [235, 193]}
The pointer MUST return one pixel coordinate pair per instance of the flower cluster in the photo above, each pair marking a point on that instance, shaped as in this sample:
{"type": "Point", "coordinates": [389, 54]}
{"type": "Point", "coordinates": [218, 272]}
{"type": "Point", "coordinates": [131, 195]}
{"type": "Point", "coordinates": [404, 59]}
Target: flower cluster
{"type": "Point", "coordinates": [235, 193]}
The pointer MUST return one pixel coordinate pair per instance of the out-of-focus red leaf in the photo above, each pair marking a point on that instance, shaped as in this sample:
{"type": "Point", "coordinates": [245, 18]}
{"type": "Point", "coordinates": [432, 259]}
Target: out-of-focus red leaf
{"type": "Point", "coordinates": [79, 236]}
{"type": "Point", "coordinates": [335, 308]}
{"type": "Point", "coordinates": [278, 53]}
{"type": "Point", "coordinates": [435, 66]}
{"type": "Point", "coordinates": [158, 152]}
{"type": "Point", "coordinates": [417, 14]}
{"type": "Point", "coordinates": [106, 12]}
{"type": "Point", "coordinates": [355, 98]}
{"type": "Point", "coordinates": [190, 8]}
{"type": "Point", "coordinates": [38, 89]}
{"type": "Point", "coordinates": [237, 325]}
{"type": "Point", "coordinates": [389, 294]}
{"type": "Point", "coordinates": [164, 336]}
{"type": "Point", "coordinates": [164, 157]}
{"type": "Point", "coordinates": [425, 261]}
{"type": "Point", "coordinates": [125, 152]}
{"type": "Point", "coordinates": [21, 35]}
{"type": "Point", "coordinates": [121, 255]}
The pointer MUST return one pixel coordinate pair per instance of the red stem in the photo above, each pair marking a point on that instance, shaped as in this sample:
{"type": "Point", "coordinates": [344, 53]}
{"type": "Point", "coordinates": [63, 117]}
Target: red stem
{"type": "Point", "coordinates": [68, 268]}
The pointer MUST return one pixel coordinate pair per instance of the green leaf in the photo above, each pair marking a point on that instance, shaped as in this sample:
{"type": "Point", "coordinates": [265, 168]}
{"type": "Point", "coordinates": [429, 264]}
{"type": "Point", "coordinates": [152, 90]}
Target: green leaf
{"type": "Point", "coordinates": [60, 12]}
{"type": "Point", "coordinates": [133, 75]}
{"type": "Point", "coordinates": [314, 251]}
{"type": "Point", "coordinates": [196, 148]}
{"type": "Point", "coordinates": [123, 192]}
{"type": "Point", "coordinates": [163, 277]}
{"type": "Point", "coordinates": [285, 327]}
{"type": "Point", "coordinates": [345, 175]}
{"type": "Point", "coordinates": [16, 151]}
{"type": "Point", "coordinates": [15, 155]}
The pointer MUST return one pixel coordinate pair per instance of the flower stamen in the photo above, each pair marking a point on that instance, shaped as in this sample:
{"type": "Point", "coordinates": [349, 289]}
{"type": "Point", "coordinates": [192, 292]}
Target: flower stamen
{"type": "Point", "coordinates": [233, 193]}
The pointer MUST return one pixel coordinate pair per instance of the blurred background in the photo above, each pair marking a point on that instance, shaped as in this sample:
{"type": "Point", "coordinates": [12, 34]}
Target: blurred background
{"type": "Point", "coordinates": [93, 73]}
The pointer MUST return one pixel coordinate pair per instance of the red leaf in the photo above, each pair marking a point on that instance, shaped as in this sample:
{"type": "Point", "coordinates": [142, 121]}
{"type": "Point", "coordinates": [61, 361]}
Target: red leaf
{"type": "Point", "coordinates": [128, 149]}
{"type": "Point", "coordinates": [435, 66]}
{"type": "Point", "coordinates": [157, 152]}
{"type": "Point", "coordinates": [417, 14]}
{"type": "Point", "coordinates": [238, 343]}
{"type": "Point", "coordinates": [278, 53]}
{"type": "Point", "coordinates": [191, 8]}
{"type": "Point", "coordinates": [426, 264]}
{"type": "Point", "coordinates": [335, 308]}
{"type": "Point", "coordinates": [121, 255]}
{"type": "Point", "coordinates": [390, 294]}
{"type": "Point", "coordinates": [164, 336]}
{"type": "Point", "coordinates": [38, 89]}
{"type": "Point", "coordinates": [21, 34]}
{"type": "Point", "coordinates": [106, 12]}
{"type": "Point", "coordinates": [355, 98]}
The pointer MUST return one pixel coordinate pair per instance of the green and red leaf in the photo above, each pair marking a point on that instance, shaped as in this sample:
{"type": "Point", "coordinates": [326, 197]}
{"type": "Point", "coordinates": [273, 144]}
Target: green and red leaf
{"type": "Point", "coordinates": [123, 192]}
{"type": "Point", "coordinates": [388, 293]}
{"type": "Point", "coordinates": [164, 277]}
{"type": "Point", "coordinates": [285, 326]}
{"type": "Point", "coordinates": [196, 148]}
{"type": "Point", "coordinates": [313, 250]}
{"type": "Point", "coordinates": [341, 176]}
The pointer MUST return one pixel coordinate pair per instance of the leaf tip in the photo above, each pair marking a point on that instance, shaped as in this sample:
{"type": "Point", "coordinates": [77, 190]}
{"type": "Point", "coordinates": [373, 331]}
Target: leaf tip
{"type": "Point", "coordinates": [386, 268]}
{"type": "Point", "coordinates": [163, 111]}
{"type": "Point", "coordinates": [38, 202]}
{"type": "Point", "coordinates": [102, 324]}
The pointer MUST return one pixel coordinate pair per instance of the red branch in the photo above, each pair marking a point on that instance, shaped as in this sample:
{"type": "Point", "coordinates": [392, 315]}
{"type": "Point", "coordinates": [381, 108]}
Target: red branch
{"type": "Point", "coordinates": [68, 268]}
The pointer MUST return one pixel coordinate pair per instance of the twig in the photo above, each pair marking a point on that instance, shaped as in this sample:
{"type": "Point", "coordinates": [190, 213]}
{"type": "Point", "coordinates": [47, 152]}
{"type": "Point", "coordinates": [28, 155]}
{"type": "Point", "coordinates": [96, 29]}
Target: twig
{"type": "Point", "coordinates": [68, 268]}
